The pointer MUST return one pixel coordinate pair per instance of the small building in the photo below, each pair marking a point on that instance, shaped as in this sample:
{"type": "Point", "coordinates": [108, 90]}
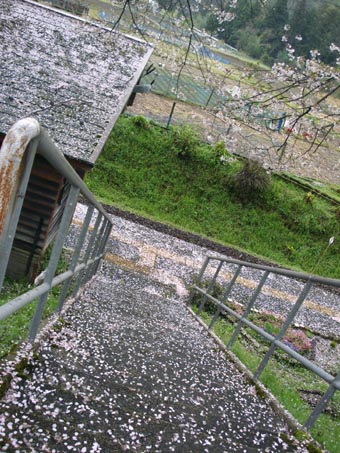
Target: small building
{"type": "Point", "coordinates": [75, 78]}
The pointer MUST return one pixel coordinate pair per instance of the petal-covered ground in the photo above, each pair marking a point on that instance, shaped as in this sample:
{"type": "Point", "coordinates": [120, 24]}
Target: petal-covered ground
{"type": "Point", "coordinates": [128, 369]}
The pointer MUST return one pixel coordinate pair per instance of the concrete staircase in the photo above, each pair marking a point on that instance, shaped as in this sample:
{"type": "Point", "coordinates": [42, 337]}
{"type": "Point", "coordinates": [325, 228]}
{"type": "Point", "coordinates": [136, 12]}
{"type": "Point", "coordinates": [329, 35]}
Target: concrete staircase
{"type": "Point", "coordinates": [128, 369]}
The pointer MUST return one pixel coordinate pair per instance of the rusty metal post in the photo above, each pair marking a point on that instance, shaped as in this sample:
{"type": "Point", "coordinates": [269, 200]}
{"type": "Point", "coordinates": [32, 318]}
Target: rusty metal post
{"type": "Point", "coordinates": [15, 170]}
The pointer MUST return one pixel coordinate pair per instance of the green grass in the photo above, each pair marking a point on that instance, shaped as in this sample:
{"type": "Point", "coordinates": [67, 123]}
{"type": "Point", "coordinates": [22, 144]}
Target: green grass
{"type": "Point", "coordinates": [170, 177]}
{"type": "Point", "coordinates": [331, 190]}
{"type": "Point", "coordinates": [285, 379]}
{"type": "Point", "coordinates": [14, 329]}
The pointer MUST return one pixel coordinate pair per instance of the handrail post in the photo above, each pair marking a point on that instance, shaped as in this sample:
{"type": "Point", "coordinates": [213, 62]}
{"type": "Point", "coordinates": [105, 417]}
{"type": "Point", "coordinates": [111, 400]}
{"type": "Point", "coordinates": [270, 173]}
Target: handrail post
{"type": "Point", "coordinates": [54, 259]}
{"type": "Point", "coordinates": [285, 326]}
{"type": "Point", "coordinates": [96, 250]}
{"type": "Point", "coordinates": [106, 237]}
{"type": "Point", "coordinates": [76, 255]}
{"type": "Point", "coordinates": [80, 277]}
{"type": "Point", "coordinates": [225, 296]}
{"type": "Point", "coordinates": [248, 309]}
{"type": "Point", "coordinates": [210, 287]}
{"type": "Point", "coordinates": [322, 403]}
{"type": "Point", "coordinates": [199, 278]}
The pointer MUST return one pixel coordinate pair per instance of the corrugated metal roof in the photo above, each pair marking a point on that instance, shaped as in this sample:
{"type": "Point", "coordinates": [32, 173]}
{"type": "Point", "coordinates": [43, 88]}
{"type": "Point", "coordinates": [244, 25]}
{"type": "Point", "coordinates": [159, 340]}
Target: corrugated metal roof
{"type": "Point", "coordinates": [73, 76]}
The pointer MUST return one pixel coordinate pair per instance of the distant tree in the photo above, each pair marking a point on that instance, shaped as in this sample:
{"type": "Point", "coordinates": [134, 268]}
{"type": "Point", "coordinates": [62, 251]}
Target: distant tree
{"type": "Point", "coordinates": [245, 13]}
{"type": "Point", "coordinates": [302, 29]}
{"type": "Point", "coordinates": [212, 24]}
{"type": "Point", "coordinates": [275, 18]}
{"type": "Point", "coordinates": [326, 31]}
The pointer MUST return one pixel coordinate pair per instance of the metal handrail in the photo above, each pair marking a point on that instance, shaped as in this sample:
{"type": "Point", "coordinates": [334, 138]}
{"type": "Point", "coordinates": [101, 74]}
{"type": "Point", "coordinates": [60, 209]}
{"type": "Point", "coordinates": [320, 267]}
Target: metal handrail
{"type": "Point", "coordinates": [21, 144]}
{"type": "Point", "coordinates": [56, 158]}
{"type": "Point", "coordinates": [282, 271]}
{"type": "Point", "coordinates": [275, 342]}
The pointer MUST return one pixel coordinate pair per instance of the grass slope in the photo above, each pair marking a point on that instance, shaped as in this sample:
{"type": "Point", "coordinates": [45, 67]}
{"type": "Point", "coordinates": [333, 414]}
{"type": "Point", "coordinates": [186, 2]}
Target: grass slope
{"type": "Point", "coordinates": [171, 177]}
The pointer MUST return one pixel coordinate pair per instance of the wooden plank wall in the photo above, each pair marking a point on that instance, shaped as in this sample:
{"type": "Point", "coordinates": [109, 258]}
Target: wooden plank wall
{"type": "Point", "coordinates": [42, 209]}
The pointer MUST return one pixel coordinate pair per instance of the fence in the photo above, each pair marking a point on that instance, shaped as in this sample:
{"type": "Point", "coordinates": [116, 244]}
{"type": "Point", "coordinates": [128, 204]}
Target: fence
{"type": "Point", "coordinates": [209, 274]}
{"type": "Point", "coordinates": [24, 140]}
{"type": "Point", "coordinates": [188, 90]}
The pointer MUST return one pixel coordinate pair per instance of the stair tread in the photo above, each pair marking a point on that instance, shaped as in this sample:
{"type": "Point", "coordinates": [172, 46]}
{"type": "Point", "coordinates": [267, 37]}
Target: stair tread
{"type": "Point", "coordinates": [131, 368]}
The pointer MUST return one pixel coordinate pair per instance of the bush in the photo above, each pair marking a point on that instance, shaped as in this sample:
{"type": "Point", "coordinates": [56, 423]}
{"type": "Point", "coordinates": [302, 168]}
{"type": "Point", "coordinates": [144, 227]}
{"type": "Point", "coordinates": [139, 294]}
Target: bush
{"type": "Point", "coordinates": [185, 142]}
{"type": "Point", "coordinates": [309, 197]}
{"type": "Point", "coordinates": [141, 122]}
{"type": "Point", "coordinates": [251, 181]}
{"type": "Point", "coordinates": [220, 151]}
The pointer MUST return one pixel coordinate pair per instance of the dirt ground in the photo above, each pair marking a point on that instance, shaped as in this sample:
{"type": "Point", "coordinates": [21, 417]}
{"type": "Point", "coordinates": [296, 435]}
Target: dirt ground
{"type": "Point", "coordinates": [324, 164]}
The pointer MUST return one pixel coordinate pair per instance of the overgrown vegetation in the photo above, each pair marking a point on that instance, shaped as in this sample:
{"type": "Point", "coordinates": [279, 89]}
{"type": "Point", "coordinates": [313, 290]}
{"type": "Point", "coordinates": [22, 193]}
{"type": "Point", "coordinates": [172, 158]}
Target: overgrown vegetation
{"type": "Point", "coordinates": [172, 177]}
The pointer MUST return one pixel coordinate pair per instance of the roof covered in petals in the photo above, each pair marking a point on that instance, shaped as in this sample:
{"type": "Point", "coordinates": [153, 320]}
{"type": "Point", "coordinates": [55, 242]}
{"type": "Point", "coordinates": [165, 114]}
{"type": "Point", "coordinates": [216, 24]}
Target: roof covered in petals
{"type": "Point", "coordinates": [74, 77]}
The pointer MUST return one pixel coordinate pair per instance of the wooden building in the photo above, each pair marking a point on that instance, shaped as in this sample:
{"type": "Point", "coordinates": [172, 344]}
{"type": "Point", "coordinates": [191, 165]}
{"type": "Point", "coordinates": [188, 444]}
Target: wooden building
{"type": "Point", "coordinates": [75, 78]}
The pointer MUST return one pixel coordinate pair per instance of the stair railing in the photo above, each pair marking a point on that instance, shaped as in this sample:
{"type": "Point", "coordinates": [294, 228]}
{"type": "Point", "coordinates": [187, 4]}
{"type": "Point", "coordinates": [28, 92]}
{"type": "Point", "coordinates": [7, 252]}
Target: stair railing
{"type": "Point", "coordinates": [22, 142]}
{"type": "Point", "coordinates": [214, 267]}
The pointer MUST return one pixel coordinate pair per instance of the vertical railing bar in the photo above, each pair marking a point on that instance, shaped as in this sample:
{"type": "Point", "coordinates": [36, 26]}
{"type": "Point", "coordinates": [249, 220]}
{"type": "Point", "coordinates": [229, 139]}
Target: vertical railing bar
{"type": "Point", "coordinates": [87, 254]}
{"type": "Point", "coordinates": [225, 296]}
{"type": "Point", "coordinates": [210, 287]}
{"type": "Point", "coordinates": [96, 246]}
{"type": "Point", "coordinates": [322, 403]}
{"type": "Point", "coordinates": [76, 254]}
{"type": "Point", "coordinates": [102, 247]}
{"type": "Point", "coordinates": [287, 323]}
{"type": "Point", "coordinates": [54, 259]}
{"type": "Point", "coordinates": [199, 278]}
{"type": "Point", "coordinates": [105, 238]}
{"type": "Point", "coordinates": [248, 309]}
{"type": "Point", "coordinates": [11, 224]}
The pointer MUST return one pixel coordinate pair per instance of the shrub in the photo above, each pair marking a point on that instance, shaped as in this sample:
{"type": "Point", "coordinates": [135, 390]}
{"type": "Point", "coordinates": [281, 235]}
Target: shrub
{"type": "Point", "coordinates": [185, 142]}
{"type": "Point", "coordinates": [219, 149]}
{"type": "Point", "coordinates": [298, 341]}
{"type": "Point", "coordinates": [309, 197]}
{"type": "Point", "coordinates": [251, 181]}
{"type": "Point", "coordinates": [141, 122]}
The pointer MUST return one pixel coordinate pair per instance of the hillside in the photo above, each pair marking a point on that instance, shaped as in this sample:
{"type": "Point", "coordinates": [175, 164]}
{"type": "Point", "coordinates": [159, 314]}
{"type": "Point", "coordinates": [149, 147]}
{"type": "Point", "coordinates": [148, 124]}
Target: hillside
{"type": "Point", "coordinates": [173, 178]}
{"type": "Point", "coordinates": [258, 29]}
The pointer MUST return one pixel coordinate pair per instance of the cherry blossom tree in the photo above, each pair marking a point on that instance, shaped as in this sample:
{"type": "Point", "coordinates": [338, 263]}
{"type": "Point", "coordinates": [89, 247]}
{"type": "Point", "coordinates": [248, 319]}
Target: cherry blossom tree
{"type": "Point", "coordinates": [266, 110]}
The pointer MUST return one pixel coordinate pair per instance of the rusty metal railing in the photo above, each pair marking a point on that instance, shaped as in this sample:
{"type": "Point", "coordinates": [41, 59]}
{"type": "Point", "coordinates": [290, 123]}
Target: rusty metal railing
{"type": "Point", "coordinates": [212, 270]}
{"type": "Point", "coordinates": [21, 144]}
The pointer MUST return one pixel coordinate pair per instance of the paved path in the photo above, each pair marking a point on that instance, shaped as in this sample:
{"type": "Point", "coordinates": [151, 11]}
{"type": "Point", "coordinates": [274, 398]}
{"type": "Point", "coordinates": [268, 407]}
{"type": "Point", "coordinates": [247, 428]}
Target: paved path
{"type": "Point", "coordinates": [130, 370]}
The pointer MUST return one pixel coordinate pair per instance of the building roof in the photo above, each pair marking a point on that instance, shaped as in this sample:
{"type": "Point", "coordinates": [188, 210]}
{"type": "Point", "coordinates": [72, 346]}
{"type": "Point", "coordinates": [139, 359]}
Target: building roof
{"type": "Point", "coordinates": [74, 77]}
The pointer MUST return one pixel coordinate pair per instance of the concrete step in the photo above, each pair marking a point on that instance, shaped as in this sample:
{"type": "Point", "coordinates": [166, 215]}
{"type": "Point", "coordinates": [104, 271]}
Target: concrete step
{"type": "Point", "coordinates": [129, 369]}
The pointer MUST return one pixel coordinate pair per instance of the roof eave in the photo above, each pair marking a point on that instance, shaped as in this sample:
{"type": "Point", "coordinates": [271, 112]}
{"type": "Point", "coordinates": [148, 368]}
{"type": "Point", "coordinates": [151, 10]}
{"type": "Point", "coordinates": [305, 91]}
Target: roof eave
{"type": "Point", "coordinates": [98, 149]}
